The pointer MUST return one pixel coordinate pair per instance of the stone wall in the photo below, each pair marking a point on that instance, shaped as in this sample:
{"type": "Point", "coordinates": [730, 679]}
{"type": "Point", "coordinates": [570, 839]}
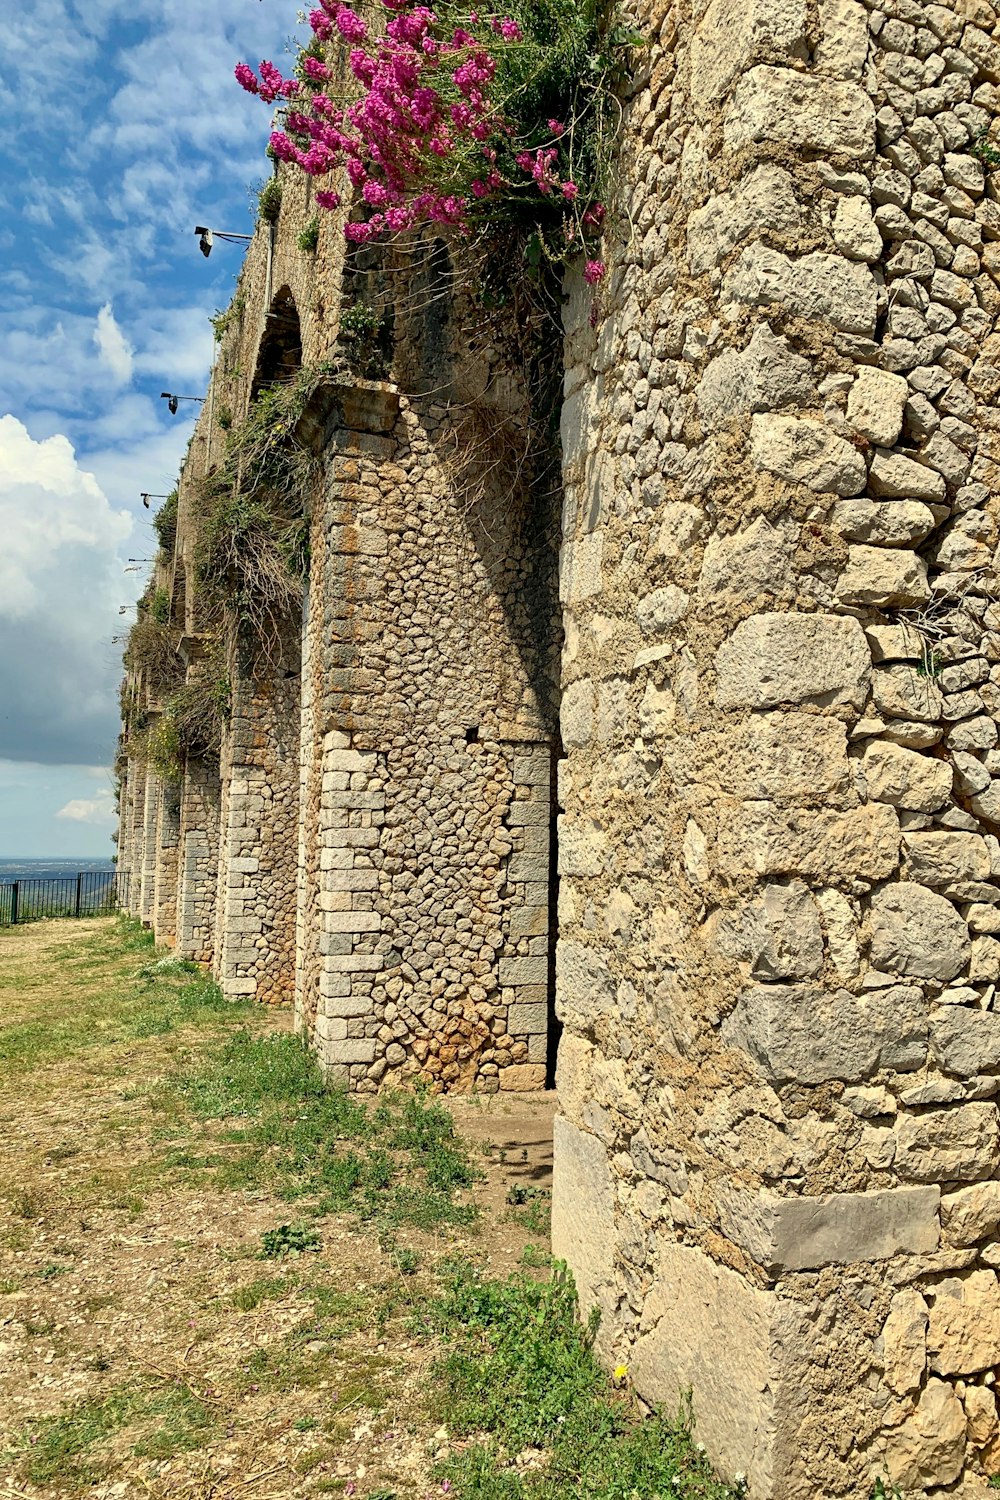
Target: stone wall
{"type": "Point", "coordinates": [780, 883]}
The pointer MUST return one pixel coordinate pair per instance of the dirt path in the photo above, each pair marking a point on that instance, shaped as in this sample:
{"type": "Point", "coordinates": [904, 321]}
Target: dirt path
{"type": "Point", "coordinates": [147, 1345]}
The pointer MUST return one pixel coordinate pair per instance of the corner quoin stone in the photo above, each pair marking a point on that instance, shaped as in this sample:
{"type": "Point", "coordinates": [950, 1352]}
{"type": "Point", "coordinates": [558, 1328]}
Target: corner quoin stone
{"type": "Point", "coordinates": [802, 1234]}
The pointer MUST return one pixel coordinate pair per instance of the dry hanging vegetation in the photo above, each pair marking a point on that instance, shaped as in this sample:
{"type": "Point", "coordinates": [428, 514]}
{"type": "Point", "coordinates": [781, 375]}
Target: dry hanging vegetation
{"type": "Point", "coordinates": [252, 524]}
{"type": "Point", "coordinates": [219, 1278]}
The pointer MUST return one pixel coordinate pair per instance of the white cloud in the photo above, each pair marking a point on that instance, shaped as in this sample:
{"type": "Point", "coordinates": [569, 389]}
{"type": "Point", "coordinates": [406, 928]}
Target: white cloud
{"type": "Point", "coordinates": [96, 810]}
{"type": "Point", "coordinates": [112, 345]}
{"type": "Point", "coordinates": [60, 588]}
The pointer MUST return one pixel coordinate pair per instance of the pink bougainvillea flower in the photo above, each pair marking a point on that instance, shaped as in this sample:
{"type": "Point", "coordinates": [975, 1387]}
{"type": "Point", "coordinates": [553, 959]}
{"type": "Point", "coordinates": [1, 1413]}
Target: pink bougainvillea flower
{"type": "Point", "coordinates": [321, 25]}
{"type": "Point", "coordinates": [313, 68]}
{"type": "Point", "coordinates": [350, 25]}
{"type": "Point", "coordinates": [327, 199]}
{"type": "Point", "coordinates": [247, 78]}
{"type": "Point", "coordinates": [510, 31]}
{"type": "Point", "coordinates": [557, 128]}
{"type": "Point", "coordinates": [357, 234]}
{"type": "Point", "coordinates": [570, 191]}
{"type": "Point", "coordinates": [594, 271]}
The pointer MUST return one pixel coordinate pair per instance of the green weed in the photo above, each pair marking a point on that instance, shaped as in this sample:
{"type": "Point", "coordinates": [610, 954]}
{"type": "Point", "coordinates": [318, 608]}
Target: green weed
{"type": "Point", "coordinates": [56, 1448]}
{"type": "Point", "coordinates": [522, 1371]}
{"type": "Point", "coordinates": [289, 1239]}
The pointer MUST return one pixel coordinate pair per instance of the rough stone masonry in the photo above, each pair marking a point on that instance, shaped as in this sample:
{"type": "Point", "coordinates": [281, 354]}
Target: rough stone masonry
{"type": "Point", "coordinates": [778, 781]}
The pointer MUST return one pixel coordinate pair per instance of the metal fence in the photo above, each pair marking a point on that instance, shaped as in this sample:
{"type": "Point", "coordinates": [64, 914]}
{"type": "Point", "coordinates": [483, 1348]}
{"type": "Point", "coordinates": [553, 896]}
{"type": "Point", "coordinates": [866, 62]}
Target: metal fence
{"type": "Point", "coordinates": [91, 893]}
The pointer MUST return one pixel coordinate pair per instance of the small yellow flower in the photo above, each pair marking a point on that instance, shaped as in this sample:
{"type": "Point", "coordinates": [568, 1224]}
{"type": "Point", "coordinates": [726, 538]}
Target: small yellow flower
{"type": "Point", "coordinates": [621, 1374]}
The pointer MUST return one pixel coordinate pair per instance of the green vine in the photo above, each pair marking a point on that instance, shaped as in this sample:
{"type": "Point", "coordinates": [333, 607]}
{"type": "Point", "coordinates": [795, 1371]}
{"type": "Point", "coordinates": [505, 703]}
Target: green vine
{"type": "Point", "coordinates": [228, 316]}
{"type": "Point", "coordinates": [269, 200]}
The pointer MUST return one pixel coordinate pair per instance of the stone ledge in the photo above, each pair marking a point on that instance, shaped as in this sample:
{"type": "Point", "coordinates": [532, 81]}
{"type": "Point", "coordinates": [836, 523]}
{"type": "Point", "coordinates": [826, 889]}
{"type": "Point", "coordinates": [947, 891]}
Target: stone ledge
{"type": "Point", "coordinates": [802, 1234]}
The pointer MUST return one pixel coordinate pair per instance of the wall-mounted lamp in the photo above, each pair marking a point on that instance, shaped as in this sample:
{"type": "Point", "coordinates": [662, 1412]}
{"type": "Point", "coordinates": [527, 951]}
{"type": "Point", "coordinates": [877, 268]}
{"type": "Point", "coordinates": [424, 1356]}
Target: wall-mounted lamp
{"type": "Point", "coordinates": [207, 238]}
{"type": "Point", "coordinates": [145, 497]}
{"type": "Point", "coordinates": [172, 400]}
{"type": "Point", "coordinates": [123, 609]}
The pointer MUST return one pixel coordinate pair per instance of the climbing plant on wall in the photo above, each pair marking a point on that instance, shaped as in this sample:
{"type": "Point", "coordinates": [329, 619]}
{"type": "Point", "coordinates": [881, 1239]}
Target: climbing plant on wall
{"type": "Point", "coordinates": [468, 120]}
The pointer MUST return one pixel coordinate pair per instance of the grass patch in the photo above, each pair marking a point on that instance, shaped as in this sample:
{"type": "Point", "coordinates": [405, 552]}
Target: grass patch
{"type": "Point", "coordinates": [112, 1000]}
{"type": "Point", "coordinates": [399, 1163]}
{"type": "Point", "coordinates": [59, 1450]}
{"type": "Point", "coordinates": [522, 1371]}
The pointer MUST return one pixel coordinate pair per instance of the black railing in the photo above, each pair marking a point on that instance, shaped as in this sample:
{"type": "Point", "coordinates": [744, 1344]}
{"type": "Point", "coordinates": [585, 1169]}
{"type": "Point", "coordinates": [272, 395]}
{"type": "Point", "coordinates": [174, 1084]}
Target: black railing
{"type": "Point", "coordinates": [91, 893]}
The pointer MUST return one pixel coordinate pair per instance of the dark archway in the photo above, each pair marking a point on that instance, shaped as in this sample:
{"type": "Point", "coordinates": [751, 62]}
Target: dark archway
{"type": "Point", "coordinates": [280, 356]}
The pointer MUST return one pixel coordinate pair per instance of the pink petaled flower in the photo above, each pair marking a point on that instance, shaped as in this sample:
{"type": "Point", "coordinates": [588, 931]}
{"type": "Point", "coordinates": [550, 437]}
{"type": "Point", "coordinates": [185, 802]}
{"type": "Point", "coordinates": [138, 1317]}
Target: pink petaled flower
{"type": "Point", "coordinates": [362, 66]}
{"type": "Point", "coordinates": [479, 188]}
{"type": "Point", "coordinates": [375, 194]}
{"type": "Point", "coordinates": [510, 31]}
{"type": "Point", "coordinates": [356, 172]}
{"type": "Point", "coordinates": [398, 218]}
{"type": "Point", "coordinates": [523, 159]}
{"type": "Point", "coordinates": [594, 271]}
{"type": "Point", "coordinates": [325, 199]}
{"type": "Point", "coordinates": [271, 82]}
{"type": "Point", "coordinates": [282, 147]}
{"type": "Point", "coordinates": [322, 105]}
{"type": "Point", "coordinates": [569, 191]}
{"type": "Point", "coordinates": [350, 25]}
{"type": "Point", "coordinates": [594, 216]}
{"type": "Point", "coordinates": [430, 46]}
{"type": "Point", "coordinates": [321, 25]}
{"type": "Point", "coordinates": [494, 180]}
{"type": "Point", "coordinates": [313, 68]}
{"type": "Point", "coordinates": [557, 128]}
{"type": "Point", "coordinates": [247, 78]}
{"type": "Point", "coordinates": [357, 234]}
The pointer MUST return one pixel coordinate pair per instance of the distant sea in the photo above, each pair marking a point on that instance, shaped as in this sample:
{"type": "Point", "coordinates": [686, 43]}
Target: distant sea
{"type": "Point", "coordinates": [49, 869]}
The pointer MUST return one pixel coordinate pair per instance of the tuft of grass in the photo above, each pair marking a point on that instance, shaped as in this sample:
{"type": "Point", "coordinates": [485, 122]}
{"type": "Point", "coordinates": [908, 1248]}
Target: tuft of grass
{"type": "Point", "coordinates": [289, 1239]}
{"type": "Point", "coordinates": [170, 1419]}
{"type": "Point", "coordinates": [400, 1163]}
{"type": "Point", "coordinates": [521, 1373]}
{"type": "Point", "coordinates": [309, 236]}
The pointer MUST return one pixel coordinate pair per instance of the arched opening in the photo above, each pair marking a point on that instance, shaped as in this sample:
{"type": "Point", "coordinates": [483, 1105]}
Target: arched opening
{"type": "Point", "coordinates": [280, 356]}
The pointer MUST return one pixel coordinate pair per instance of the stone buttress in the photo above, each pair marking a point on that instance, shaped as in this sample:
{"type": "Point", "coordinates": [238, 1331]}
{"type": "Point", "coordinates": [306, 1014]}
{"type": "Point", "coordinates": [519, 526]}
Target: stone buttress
{"type": "Point", "coordinates": [778, 1149]}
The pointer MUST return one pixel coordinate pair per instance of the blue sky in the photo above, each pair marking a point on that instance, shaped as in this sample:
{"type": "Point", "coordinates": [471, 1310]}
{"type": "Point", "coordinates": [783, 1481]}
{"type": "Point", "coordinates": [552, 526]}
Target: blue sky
{"type": "Point", "coordinates": [124, 127]}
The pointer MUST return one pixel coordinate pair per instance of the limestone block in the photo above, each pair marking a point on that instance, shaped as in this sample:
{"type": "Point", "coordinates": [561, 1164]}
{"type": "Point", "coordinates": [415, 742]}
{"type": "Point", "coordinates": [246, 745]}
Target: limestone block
{"type": "Point", "coordinates": [748, 563]}
{"type": "Point", "coordinates": [351, 1050]}
{"type": "Point", "coordinates": [902, 691]}
{"type": "Point", "coordinates": [905, 778]}
{"type": "Point", "coordinates": [972, 1214]}
{"type": "Point", "coordinates": [814, 286]}
{"type": "Point", "coordinates": [875, 405]}
{"type": "Point", "coordinates": [917, 933]}
{"type": "Point", "coordinates": [582, 849]}
{"type": "Point", "coordinates": [765, 376]}
{"type": "Point", "coordinates": [576, 714]}
{"type": "Point", "coordinates": [981, 1414]}
{"type": "Point", "coordinates": [805, 450]}
{"type": "Point", "coordinates": [657, 711]}
{"type": "Point", "coordinates": [961, 1144]}
{"type": "Point", "coordinates": [892, 523]}
{"type": "Point", "coordinates": [763, 200]}
{"type": "Point", "coordinates": [843, 48]}
{"type": "Point", "coordinates": [514, 971]}
{"type": "Point", "coordinates": [779, 935]}
{"type": "Point", "coordinates": [585, 987]}
{"type": "Point", "coordinates": [802, 111]}
{"type": "Point", "coordinates": [525, 1020]}
{"type": "Point", "coordinates": [929, 1448]}
{"type": "Point", "coordinates": [841, 931]}
{"type": "Point", "coordinates": [895, 475]}
{"type": "Point", "coordinates": [965, 1041]}
{"type": "Point", "coordinates": [963, 1332]}
{"type": "Point", "coordinates": [809, 1035]}
{"type": "Point", "coordinates": [884, 579]}
{"type": "Point", "coordinates": [772, 659]}
{"type": "Point", "coordinates": [986, 804]}
{"type": "Point", "coordinates": [522, 1078]}
{"type": "Point", "coordinates": [804, 1233]}
{"type": "Point", "coordinates": [694, 1310]}
{"type": "Point", "coordinates": [733, 33]}
{"type": "Point", "coordinates": [904, 1342]}
{"type": "Point", "coordinates": [583, 1218]}
{"type": "Point", "coordinates": [944, 859]}
{"type": "Point", "coordinates": [580, 574]}
{"type": "Point", "coordinates": [855, 232]}
{"type": "Point", "coordinates": [767, 840]}
{"type": "Point", "coordinates": [663, 608]}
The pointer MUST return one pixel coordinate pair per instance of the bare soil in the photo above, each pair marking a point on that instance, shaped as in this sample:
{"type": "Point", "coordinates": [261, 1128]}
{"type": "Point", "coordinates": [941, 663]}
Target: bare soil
{"type": "Point", "coordinates": [146, 1348]}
